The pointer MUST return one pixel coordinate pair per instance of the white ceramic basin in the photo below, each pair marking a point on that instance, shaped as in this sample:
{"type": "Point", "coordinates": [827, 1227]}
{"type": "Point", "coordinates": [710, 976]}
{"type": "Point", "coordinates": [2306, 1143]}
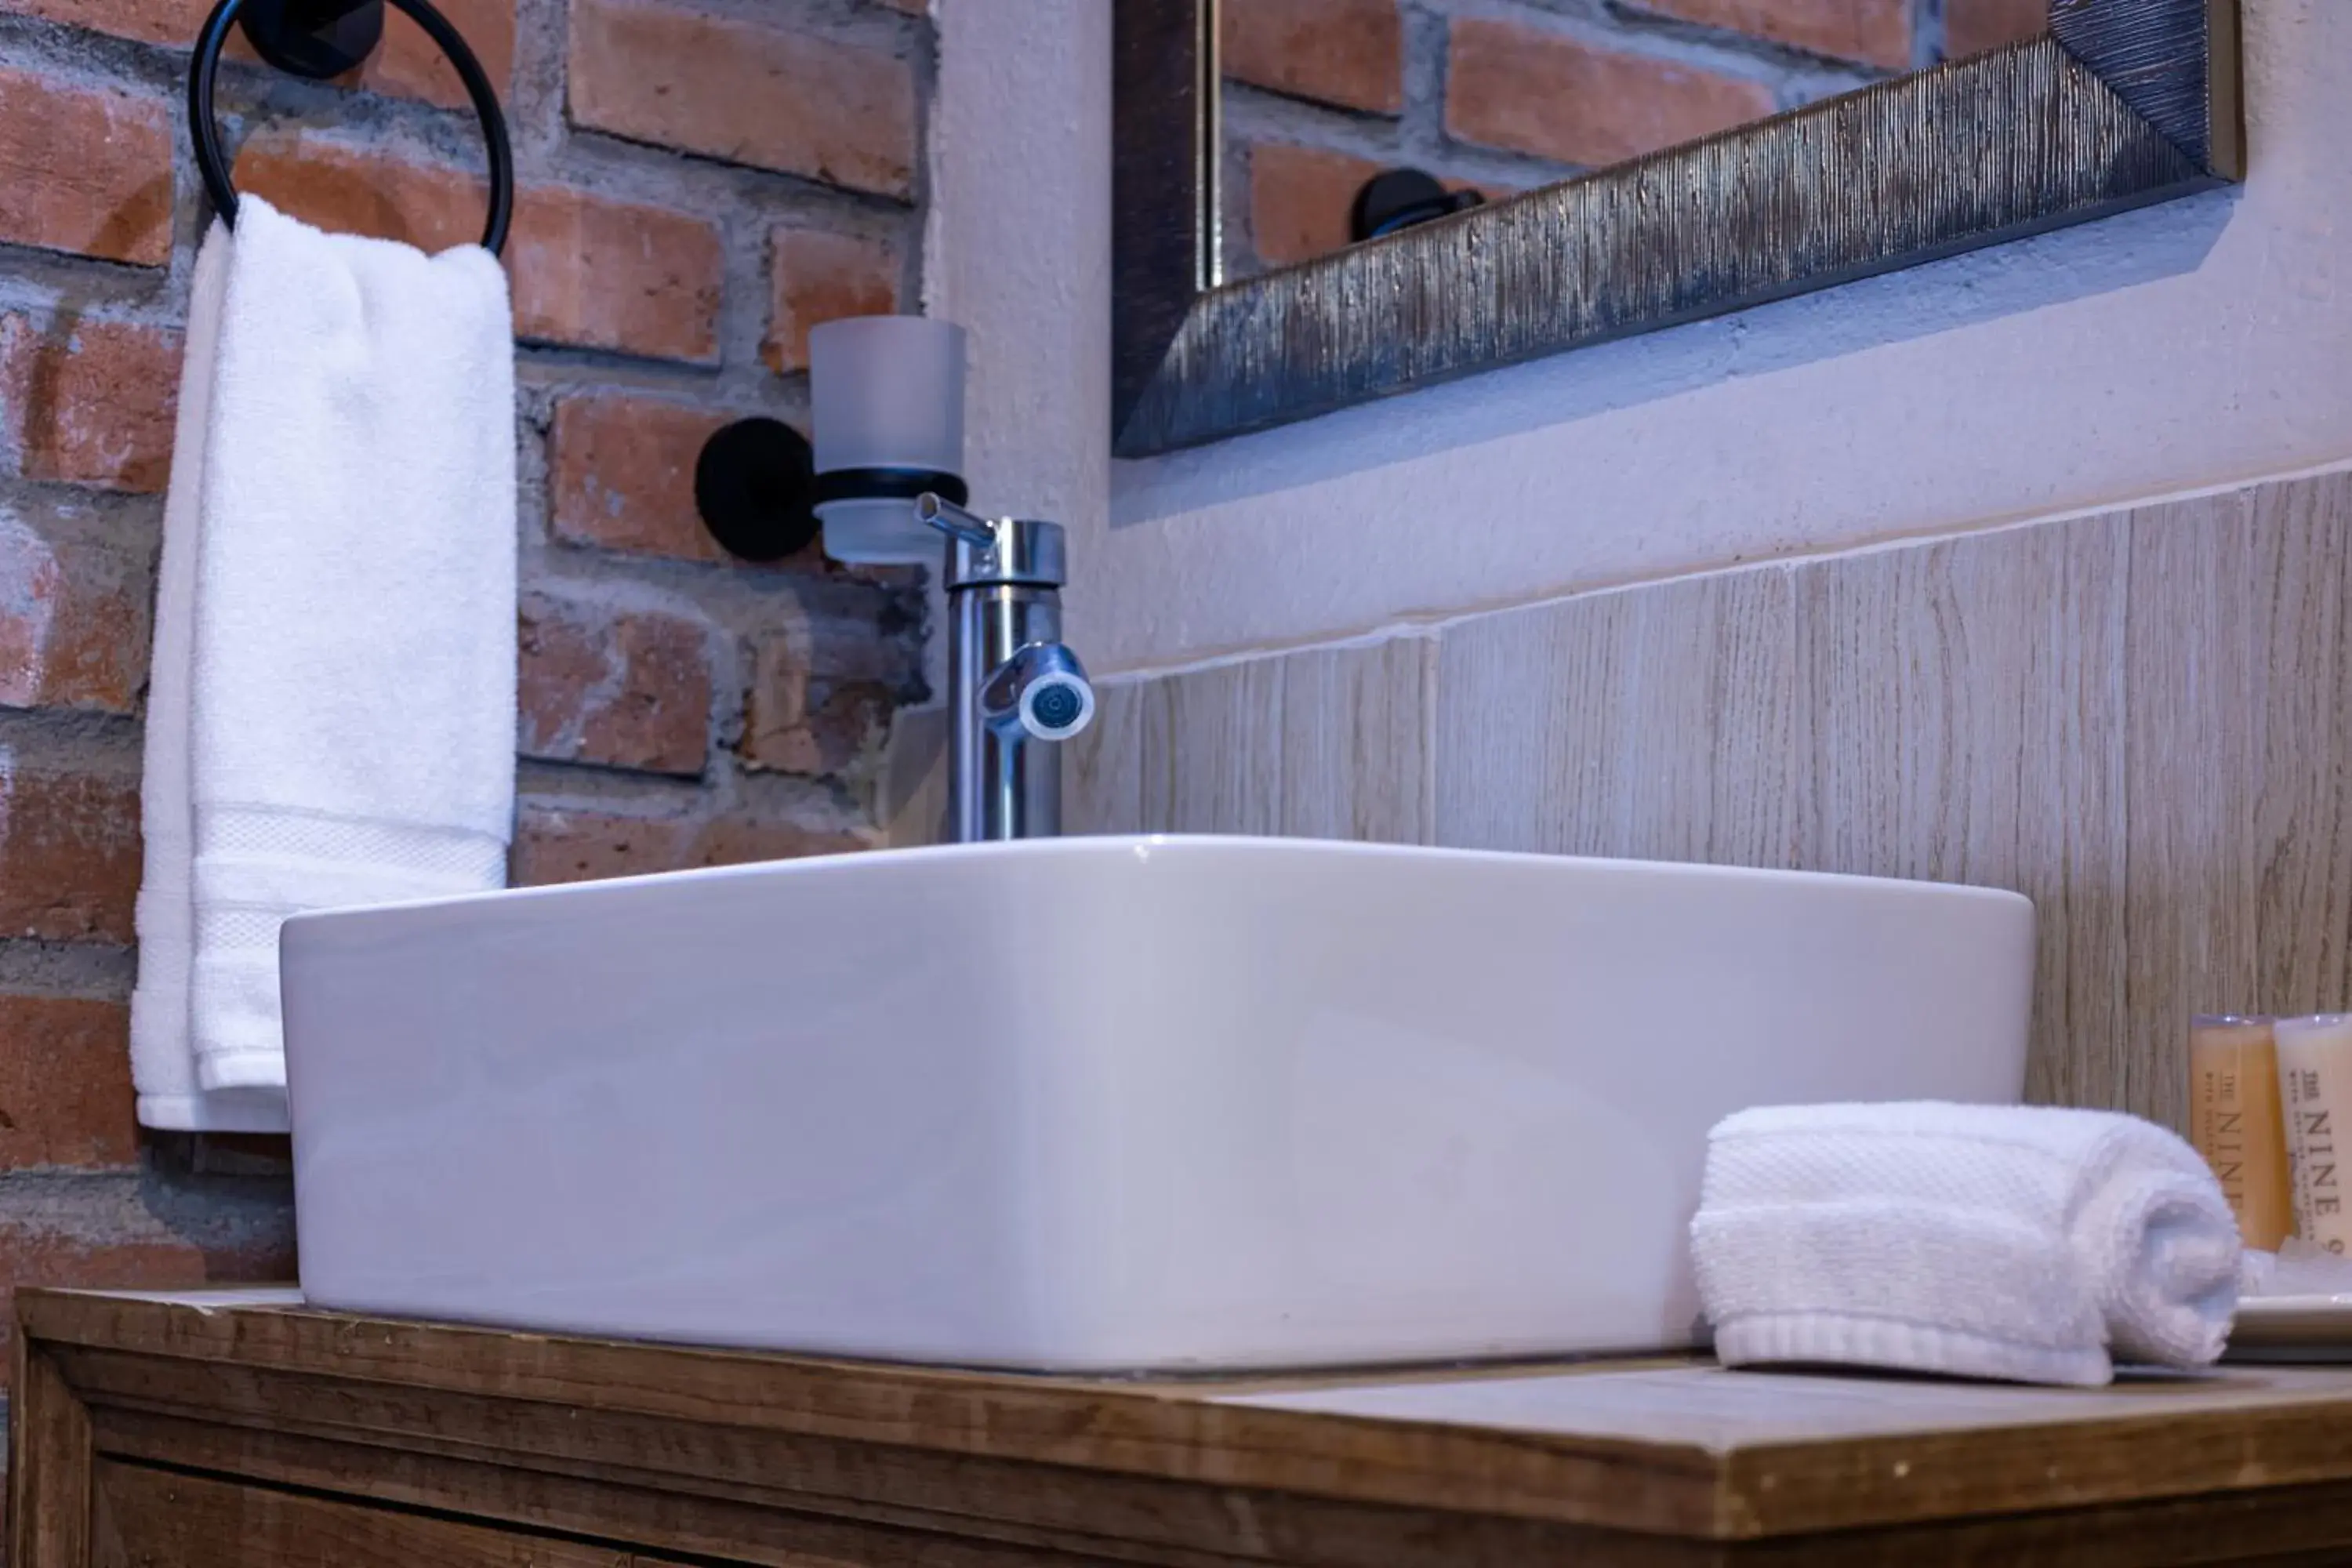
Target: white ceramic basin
{"type": "Point", "coordinates": [1144, 1103]}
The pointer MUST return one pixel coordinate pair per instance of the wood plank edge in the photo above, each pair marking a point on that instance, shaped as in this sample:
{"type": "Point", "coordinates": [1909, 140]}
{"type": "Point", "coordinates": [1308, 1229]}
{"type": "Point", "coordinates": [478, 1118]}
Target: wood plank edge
{"type": "Point", "coordinates": [1155, 1432]}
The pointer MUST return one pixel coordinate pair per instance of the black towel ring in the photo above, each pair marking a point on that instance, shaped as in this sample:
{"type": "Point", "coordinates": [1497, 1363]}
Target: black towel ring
{"type": "Point", "coordinates": [320, 38]}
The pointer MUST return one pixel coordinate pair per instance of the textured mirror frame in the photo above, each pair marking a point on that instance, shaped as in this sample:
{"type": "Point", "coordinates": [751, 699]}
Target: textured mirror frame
{"type": "Point", "coordinates": [2124, 102]}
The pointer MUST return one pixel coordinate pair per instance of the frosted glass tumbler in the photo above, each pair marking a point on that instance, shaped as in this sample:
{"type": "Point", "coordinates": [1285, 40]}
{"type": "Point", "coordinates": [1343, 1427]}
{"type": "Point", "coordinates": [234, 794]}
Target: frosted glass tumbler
{"type": "Point", "coordinates": [887, 392]}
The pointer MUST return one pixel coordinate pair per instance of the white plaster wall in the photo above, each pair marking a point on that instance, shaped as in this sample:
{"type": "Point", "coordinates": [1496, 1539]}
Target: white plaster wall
{"type": "Point", "coordinates": [2190, 345]}
{"type": "Point", "coordinates": [1018, 247]}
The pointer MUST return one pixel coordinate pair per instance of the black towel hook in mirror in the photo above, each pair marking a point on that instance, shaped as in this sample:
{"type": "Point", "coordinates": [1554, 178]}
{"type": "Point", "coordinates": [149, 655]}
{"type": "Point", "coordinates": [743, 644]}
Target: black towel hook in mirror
{"type": "Point", "coordinates": [320, 38]}
{"type": "Point", "coordinates": [1395, 200]}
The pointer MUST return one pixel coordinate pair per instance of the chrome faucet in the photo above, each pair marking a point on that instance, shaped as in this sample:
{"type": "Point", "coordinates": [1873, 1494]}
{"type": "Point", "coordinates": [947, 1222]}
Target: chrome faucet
{"type": "Point", "coordinates": [1014, 691]}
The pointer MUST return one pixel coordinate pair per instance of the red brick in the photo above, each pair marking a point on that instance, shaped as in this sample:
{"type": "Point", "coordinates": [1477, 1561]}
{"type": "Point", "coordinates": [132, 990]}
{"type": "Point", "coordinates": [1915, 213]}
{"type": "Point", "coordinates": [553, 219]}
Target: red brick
{"type": "Point", "coordinates": [822, 695]}
{"type": "Point", "coordinates": [1532, 92]}
{"type": "Point", "coordinates": [602, 274]}
{"type": "Point", "coordinates": [622, 473]}
{"type": "Point", "coordinates": [1973, 27]}
{"type": "Point", "coordinates": [1345, 52]}
{"type": "Point", "coordinates": [68, 854]}
{"type": "Point", "coordinates": [130, 1251]}
{"type": "Point", "coordinates": [626, 690]}
{"type": "Point", "coordinates": [744, 91]}
{"type": "Point", "coordinates": [407, 65]}
{"type": "Point", "coordinates": [819, 276]}
{"type": "Point", "coordinates": [1299, 198]}
{"type": "Point", "coordinates": [554, 844]}
{"type": "Point", "coordinates": [586, 272]}
{"type": "Point", "coordinates": [743, 838]}
{"type": "Point", "coordinates": [1876, 31]}
{"type": "Point", "coordinates": [65, 1083]}
{"type": "Point", "coordinates": [73, 616]}
{"type": "Point", "coordinates": [85, 169]}
{"type": "Point", "coordinates": [148, 21]}
{"type": "Point", "coordinates": [89, 402]}
{"type": "Point", "coordinates": [343, 188]}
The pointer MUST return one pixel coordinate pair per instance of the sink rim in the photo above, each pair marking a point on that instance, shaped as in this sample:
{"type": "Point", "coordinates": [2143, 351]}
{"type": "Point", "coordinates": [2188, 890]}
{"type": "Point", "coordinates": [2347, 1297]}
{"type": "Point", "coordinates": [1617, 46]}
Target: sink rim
{"type": "Point", "coordinates": [1144, 848]}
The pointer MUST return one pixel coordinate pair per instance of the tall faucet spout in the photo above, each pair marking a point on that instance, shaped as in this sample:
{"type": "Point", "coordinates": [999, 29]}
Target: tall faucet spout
{"type": "Point", "coordinates": [1016, 688]}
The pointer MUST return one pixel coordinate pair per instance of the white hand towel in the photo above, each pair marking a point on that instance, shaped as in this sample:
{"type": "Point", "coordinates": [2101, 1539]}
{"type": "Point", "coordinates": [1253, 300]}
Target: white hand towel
{"type": "Point", "coordinates": [163, 1065]}
{"type": "Point", "coordinates": [331, 715]}
{"type": "Point", "coordinates": [2030, 1244]}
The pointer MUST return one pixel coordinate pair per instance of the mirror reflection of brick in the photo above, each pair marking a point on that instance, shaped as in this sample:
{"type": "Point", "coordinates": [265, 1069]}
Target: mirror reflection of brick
{"type": "Point", "coordinates": [1555, 97]}
{"type": "Point", "coordinates": [1973, 27]}
{"type": "Point", "coordinates": [1346, 53]}
{"type": "Point", "coordinates": [1875, 32]}
{"type": "Point", "coordinates": [1503, 96]}
{"type": "Point", "coordinates": [1300, 199]}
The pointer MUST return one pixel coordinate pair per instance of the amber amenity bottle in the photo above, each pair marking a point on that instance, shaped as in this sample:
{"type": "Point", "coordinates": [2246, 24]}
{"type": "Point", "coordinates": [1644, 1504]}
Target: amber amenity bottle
{"type": "Point", "coordinates": [2236, 1123]}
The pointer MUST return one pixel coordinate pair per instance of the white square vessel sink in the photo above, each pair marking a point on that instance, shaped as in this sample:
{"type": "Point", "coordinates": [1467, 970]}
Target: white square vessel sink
{"type": "Point", "coordinates": [1108, 1104]}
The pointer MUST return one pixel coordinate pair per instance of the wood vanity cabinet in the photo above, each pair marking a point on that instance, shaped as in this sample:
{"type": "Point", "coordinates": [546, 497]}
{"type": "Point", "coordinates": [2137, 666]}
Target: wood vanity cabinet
{"type": "Point", "coordinates": [238, 1428]}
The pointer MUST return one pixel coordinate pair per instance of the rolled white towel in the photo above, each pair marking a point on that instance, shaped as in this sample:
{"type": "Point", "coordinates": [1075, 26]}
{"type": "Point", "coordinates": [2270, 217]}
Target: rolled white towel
{"type": "Point", "coordinates": [2025, 1243]}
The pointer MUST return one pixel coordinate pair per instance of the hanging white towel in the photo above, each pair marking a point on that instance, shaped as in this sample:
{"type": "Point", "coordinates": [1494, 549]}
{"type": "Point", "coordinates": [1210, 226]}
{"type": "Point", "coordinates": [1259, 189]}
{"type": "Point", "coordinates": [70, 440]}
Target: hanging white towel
{"type": "Point", "coordinates": [2032, 1244]}
{"type": "Point", "coordinates": [331, 720]}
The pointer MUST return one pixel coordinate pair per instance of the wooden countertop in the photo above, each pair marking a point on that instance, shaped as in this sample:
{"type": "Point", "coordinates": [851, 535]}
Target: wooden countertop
{"type": "Point", "coordinates": [1677, 1450]}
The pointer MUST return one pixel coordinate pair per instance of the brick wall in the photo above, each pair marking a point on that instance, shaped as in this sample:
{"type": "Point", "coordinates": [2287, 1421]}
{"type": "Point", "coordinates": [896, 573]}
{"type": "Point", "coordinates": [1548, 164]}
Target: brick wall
{"type": "Point", "coordinates": [1506, 95]}
{"type": "Point", "coordinates": [699, 181]}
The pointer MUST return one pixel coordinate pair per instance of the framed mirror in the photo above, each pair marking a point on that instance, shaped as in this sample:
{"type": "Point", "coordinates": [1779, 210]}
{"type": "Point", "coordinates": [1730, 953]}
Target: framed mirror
{"type": "Point", "coordinates": [1318, 203]}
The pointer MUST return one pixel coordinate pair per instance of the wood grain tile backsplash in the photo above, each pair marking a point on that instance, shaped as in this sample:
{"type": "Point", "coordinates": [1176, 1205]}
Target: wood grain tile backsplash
{"type": "Point", "coordinates": [1330, 742]}
{"type": "Point", "coordinates": [2142, 720]}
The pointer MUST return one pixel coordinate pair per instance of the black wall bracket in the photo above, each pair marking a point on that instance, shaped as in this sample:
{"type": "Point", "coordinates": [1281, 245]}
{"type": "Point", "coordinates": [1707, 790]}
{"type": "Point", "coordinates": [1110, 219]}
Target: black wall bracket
{"type": "Point", "coordinates": [755, 485]}
{"type": "Point", "coordinates": [315, 39]}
